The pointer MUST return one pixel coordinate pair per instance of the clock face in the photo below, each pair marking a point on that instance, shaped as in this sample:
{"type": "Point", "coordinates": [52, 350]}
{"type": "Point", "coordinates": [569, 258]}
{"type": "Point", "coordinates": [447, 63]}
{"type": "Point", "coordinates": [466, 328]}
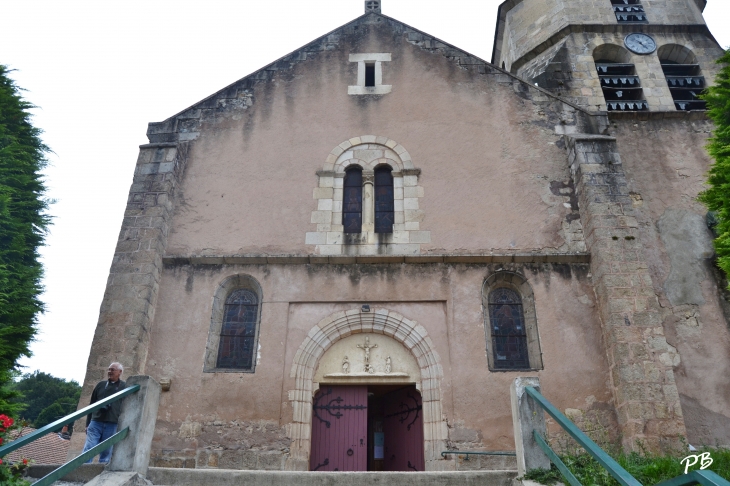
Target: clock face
{"type": "Point", "coordinates": [640, 43]}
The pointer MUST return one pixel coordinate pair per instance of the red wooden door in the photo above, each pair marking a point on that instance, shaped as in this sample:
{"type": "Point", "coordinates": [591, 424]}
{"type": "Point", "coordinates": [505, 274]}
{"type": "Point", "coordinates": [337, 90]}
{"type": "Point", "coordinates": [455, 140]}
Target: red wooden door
{"type": "Point", "coordinates": [403, 428]}
{"type": "Point", "coordinates": [339, 429]}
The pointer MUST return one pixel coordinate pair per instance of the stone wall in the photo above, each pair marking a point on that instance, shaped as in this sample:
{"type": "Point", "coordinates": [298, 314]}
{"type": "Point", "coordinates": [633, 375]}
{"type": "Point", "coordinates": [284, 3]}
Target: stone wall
{"type": "Point", "coordinates": [443, 301]}
{"type": "Point", "coordinates": [214, 443]}
{"type": "Point", "coordinates": [128, 306]}
{"type": "Point", "coordinates": [665, 172]}
{"type": "Point", "coordinates": [640, 359]}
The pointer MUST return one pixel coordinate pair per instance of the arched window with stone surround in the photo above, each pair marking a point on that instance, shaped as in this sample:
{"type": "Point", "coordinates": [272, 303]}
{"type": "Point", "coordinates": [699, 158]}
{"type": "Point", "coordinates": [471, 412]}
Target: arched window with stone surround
{"type": "Point", "coordinates": [384, 206]}
{"type": "Point", "coordinates": [617, 74]}
{"type": "Point", "coordinates": [352, 200]}
{"type": "Point", "coordinates": [510, 323]}
{"type": "Point", "coordinates": [234, 328]}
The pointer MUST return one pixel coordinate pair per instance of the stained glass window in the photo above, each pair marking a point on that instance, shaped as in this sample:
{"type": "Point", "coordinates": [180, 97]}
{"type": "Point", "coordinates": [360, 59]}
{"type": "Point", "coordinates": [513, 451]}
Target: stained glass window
{"type": "Point", "coordinates": [238, 334]}
{"type": "Point", "coordinates": [384, 213]}
{"type": "Point", "coordinates": [352, 201]}
{"type": "Point", "coordinates": [509, 335]}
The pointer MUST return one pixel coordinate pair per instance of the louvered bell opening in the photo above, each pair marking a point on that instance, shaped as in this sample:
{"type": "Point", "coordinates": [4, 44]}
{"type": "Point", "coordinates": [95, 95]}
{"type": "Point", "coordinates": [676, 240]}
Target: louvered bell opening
{"type": "Point", "coordinates": [685, 84]}
{"type": "Point", "coordinates": [628, 9]}
{"type": "Point", "coordinates": [621, 87]}
{"type": "Point", "coordinates": [631, 18]}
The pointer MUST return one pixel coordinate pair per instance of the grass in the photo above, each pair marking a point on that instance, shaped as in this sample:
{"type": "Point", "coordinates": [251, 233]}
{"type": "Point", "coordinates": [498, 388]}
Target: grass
{"type": "Point", "coordinates": [647, 469]}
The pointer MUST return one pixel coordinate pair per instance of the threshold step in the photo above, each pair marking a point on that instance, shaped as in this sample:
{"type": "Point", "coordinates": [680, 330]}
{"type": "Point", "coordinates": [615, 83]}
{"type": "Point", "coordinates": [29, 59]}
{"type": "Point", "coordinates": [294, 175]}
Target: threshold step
{"type": "Point", "coordinates": [160, 476]}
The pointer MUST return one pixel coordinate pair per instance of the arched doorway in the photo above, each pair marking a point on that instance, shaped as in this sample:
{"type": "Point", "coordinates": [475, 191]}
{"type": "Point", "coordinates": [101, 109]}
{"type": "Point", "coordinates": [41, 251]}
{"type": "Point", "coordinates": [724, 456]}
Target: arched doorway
{"type": "Point", "coordinates": [381, 389]}
{"type": "Point", "coordinates": [367, 414]}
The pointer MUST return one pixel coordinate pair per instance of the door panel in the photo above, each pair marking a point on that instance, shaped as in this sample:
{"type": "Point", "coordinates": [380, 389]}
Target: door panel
{"type": "Point", "coordinates": [403, 428]}
{"type": "Point", "coordinates": [339, 429]}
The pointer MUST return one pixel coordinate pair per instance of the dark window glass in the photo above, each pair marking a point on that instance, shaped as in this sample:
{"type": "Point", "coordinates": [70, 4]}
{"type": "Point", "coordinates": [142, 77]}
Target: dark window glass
{"type": "Point", "coordinates": [238, 333]}
{"type": "Point", "coordinates": [352, 201]}
{"type": "Point", "coordinates": [384, 214]}
{"type": "Point", "coordinates": [509, 336]}
{"type": "Point", "coordinates": [369, 74]}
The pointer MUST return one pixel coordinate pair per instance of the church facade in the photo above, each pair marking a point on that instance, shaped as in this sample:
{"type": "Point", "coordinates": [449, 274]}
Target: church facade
{"type": "Point", "coordinates": [343, 260]}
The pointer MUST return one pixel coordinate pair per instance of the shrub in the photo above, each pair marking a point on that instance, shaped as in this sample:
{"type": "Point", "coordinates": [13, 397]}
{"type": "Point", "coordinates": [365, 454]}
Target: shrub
{"type": "Point", "coordinates": [11, 474]}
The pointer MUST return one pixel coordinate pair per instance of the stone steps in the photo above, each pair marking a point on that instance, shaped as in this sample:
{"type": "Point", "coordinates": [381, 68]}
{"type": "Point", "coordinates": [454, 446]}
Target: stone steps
{"type": "Point", "coordinates": [160, 476]}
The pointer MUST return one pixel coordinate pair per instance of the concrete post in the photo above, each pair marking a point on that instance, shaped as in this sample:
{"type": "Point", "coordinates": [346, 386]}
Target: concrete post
{"type": "Point", "coordinates": [527, 416]}
{"type": "Point", "coordinates": [139, 413]}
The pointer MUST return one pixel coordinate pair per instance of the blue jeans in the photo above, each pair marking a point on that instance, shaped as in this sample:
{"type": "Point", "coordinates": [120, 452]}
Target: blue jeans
{"type": "Point", "coordinates": [96, 433]}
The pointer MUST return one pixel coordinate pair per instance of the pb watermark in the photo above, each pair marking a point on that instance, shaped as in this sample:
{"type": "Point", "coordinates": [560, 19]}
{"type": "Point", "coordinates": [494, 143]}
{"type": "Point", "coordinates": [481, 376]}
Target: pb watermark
{"type": "Point", "coordinates": [704, 459]}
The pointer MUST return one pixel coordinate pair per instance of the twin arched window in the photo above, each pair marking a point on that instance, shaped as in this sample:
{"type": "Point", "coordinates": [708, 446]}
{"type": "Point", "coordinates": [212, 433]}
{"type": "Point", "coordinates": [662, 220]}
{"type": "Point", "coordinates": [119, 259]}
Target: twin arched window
{"type": "Point", "coordinates": [382, 194]}
{"type": "Point", "coordinates": [510, 323]}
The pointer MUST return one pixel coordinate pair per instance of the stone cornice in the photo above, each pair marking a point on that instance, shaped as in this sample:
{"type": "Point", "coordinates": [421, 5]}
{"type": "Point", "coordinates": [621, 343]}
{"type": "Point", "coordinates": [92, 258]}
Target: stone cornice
{"type": "Point", "coordinates": [298, 259]}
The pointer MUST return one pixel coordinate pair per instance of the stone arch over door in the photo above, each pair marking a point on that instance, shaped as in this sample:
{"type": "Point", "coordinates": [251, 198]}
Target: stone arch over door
{"type": "Point", "coordinates": [379, 321]}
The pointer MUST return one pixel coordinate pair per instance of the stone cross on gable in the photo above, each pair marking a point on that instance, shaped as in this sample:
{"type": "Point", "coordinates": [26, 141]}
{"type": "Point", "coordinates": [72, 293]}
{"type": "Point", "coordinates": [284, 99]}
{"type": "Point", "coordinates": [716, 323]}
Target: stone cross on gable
{"type": "Point", "coordinates": [372, 6]}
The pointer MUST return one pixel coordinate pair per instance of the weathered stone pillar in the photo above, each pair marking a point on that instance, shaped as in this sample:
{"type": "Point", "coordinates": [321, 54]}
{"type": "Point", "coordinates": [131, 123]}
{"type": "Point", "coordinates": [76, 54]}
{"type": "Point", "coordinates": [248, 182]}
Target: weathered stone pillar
{"type": "Point", "coordinates": [644, 390]}
{"type": "Point", "coordinates": [128, 306]}
{"type": "Point", "coordinates": [527, 416]}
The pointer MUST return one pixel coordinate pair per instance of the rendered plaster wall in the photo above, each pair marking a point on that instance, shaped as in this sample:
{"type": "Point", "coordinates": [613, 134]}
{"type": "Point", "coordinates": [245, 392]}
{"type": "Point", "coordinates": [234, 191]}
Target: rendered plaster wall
{"type": "Point", "coordinates": [241, 420]}
{"type": "Point", "coordinates": [569, 68]}
{"type": "Point", "coordinates": [530, 23]}
{"type": "Point", "coordinates": [666, 169]}
{"type": "Point", "coordinates": [250, 184]}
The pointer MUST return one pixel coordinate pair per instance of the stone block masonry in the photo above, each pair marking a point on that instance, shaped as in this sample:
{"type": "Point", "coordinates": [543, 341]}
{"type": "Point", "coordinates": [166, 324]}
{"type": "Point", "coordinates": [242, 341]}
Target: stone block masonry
{"type": "Point", "coordinates": [127, 308]}
{"type": "Point", "coordinates": [640, 359]}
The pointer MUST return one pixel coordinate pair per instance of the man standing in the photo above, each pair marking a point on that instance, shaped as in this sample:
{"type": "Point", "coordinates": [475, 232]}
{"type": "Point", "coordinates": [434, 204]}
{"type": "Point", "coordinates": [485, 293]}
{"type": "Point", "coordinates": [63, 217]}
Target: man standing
{"type": "Point", "coordinates": [102, 424]}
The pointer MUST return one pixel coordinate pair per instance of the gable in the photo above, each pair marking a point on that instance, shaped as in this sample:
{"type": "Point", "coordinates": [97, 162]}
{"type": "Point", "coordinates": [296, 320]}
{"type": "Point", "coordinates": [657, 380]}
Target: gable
{"type": "Point", "coordinates": [239, 95]}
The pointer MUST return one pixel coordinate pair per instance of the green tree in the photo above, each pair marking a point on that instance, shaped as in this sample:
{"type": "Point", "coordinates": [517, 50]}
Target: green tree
{"type": "Point", "coordinates": [717, 197]}
{"type": "Point", "coordinates": [46, 398]}
{"type": "Point", "coordinates": [23, 223]}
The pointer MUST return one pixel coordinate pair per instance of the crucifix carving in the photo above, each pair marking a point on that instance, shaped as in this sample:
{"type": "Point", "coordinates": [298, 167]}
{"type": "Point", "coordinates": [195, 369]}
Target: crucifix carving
{"type": "Point", "coordinates": [367, 347]}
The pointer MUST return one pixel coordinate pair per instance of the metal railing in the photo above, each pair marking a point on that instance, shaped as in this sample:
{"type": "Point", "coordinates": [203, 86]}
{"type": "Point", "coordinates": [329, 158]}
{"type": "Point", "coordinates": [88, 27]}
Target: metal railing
{"type": "Point", "coordinates": [54, 426]}
{"type": "Point", "coordinates": [478, 453]}
{"type": "Point", "coordinates": [621, 475]}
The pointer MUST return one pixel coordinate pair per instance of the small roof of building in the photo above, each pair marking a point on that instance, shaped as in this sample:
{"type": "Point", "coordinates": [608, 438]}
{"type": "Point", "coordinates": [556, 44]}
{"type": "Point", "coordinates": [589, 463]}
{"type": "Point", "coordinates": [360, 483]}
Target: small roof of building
{"type": "Point", "coordinates": [49, 449]}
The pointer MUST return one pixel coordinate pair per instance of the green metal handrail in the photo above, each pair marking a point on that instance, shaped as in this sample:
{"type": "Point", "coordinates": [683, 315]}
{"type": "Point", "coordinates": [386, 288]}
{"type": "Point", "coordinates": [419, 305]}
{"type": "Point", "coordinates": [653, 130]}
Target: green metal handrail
{"type": "Point", "coordinates": [705, 478]}
{"type": "Point", "coordinates": [614, 468]}
{"type": "Point", "coordinates": [52, 427]}
{"type": "Point", "coordinates": [556, 460]}
{"type": "Point", "coordinates": [71, 465]}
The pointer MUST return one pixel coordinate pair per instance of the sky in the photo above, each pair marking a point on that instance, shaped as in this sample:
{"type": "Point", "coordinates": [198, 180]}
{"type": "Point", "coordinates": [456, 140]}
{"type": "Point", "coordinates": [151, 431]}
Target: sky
{"type": "Point", "coordinates": [99, 71]}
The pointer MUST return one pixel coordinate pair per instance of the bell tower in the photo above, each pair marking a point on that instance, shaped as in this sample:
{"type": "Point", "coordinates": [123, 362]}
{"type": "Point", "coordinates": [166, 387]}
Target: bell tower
{"type": "Point", "coordinates": [610, 55]}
